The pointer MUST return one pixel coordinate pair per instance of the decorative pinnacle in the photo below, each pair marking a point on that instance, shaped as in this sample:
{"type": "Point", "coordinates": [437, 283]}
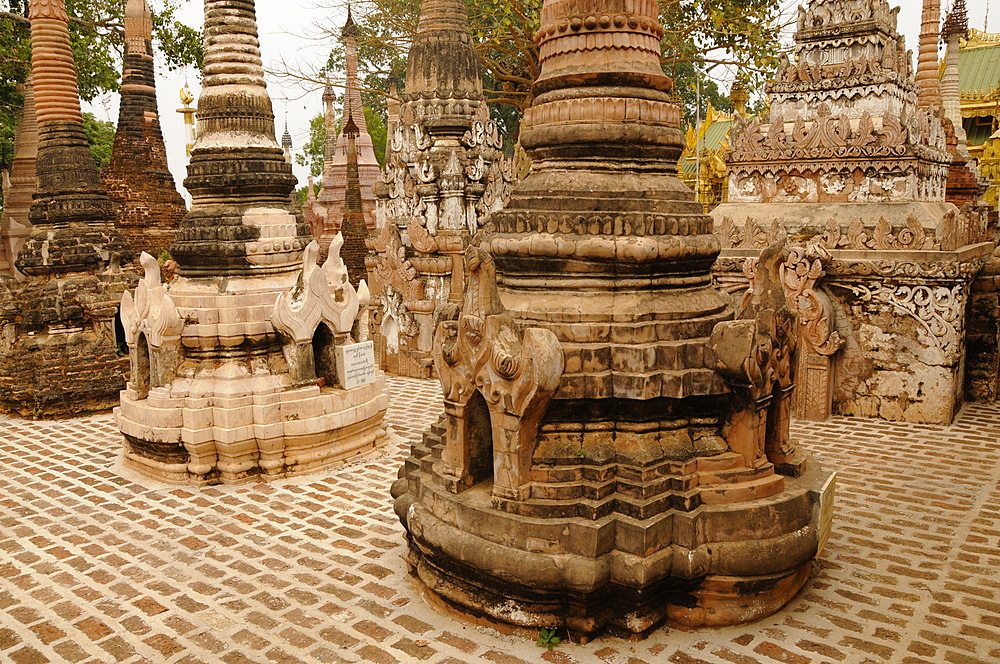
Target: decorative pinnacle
{"type": "Point", "coordinates": [69, 188]}
{"type": "Point", "coordinates": [138, 28]}
{"type": "Point", "coordinates": [956, 22]}
{"type": "Point", "coordinates": [236, 158]}
{"type": "Point", "coordinates": [350, 28]}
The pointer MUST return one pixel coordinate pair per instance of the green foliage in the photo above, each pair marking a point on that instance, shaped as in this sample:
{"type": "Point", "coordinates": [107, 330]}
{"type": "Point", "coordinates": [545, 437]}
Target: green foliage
{"type": "Point", "coordinates": [101, 137]}
{"type": "Point", "coordinates": [96, 36]}
{"type": "Point", "coordinates": [311, 154]}
{"type": "Point", "coordinates": [377, 130]}
{"type": "Point", "coordinates": [547, 638]}
{"type": "Point", "coordinates": [698, 35]}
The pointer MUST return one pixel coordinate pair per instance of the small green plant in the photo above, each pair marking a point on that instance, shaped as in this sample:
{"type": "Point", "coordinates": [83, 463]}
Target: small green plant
{"type": "Point", "coordinates": [582, 453]}
{"type": "Point", "coordinates": [547, 638]}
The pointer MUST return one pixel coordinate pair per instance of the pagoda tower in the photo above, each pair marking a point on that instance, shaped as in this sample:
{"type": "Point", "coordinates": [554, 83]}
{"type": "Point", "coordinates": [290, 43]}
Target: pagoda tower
{"type": "Point", "coordinates": [325, 214]}
{"type": "Point", "coordinates": [60, 356]}
{"type": "Point", "coordinates": [238, 365]}
{"type": "Point", "coordinates": [17, 192]}
{"type": "Point", "coordinates": [851, 163]}
{"type": "Point", "coordinates": [614, 450]}
{"type": "Point", "coordinates": [148, 208]}
{"type": "Point", "coordinates": [445, 173]}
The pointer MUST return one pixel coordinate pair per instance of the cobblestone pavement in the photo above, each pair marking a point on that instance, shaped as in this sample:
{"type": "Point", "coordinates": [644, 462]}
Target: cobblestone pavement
{"type": "Point", "coordinates": [99, 567]}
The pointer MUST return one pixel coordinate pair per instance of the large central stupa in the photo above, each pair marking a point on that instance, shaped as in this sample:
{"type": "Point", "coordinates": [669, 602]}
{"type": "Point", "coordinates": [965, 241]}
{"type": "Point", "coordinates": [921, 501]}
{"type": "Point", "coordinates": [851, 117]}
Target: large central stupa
{"type": "Point", "coordinates": [614, 449]}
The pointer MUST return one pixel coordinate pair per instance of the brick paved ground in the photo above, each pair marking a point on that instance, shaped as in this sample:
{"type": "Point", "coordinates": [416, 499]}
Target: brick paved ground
{"type": "Point", "coordinates": [96, 567]}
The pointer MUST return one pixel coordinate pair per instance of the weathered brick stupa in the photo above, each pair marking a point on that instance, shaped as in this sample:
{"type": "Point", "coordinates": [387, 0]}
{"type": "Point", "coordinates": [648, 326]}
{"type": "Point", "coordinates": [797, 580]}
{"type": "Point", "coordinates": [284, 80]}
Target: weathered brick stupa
{"type": "Point", "coordinates": [19, 186]}
{"type": "Point", "coordinates": [853, 171]}
{"type": "Point", "coordinates": [353, 229]}
{"type": "Point", "coordinates": [611, 439]}
{"type": "Point", "coordinates": [444, 174]}
{"type": "Point", "coordinates": [244, 367]}
{"type": "Point", "coordinates": [148, 208]}
{"type": "Point", "coordinates": [325, 212]}
{"type": "Point", "coordinates": [58, 353]}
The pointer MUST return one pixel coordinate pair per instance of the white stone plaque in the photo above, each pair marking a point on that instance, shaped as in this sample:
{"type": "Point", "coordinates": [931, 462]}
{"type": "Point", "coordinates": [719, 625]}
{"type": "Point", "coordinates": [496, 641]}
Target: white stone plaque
{"type": "Point", "coordinates": [356, 364]}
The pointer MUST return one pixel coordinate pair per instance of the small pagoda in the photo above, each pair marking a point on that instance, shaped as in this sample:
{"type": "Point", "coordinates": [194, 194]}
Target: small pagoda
{"type": "Point", "coordinates": [253, 363]}
{"type": "Point", "coordinates": [148, 208]}
{"type": "Point", "coordinates": [445, 173]}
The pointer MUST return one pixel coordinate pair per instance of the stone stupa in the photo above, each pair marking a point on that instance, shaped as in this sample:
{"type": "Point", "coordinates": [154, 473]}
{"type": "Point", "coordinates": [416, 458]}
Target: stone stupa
{"type": "Point", "coordinates": [252, 363]}
{"type": "Point", "coordinates": [445, 173]}
{"type": "Point", "coordinates": [614, 450]}
{"type": "Point", "coordinates": [325, 212]}
{"type": "Point", "coordinates": [851, 163]}
{"type": "Point", "coordinates": [59, 355]}
{"type": "Point", "coordinates": [148, 208]}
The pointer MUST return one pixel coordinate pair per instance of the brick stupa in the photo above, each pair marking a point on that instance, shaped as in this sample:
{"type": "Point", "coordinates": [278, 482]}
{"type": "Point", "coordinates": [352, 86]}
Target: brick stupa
{"type": "Point", "coordinates": [148, 208]}
{"type": "Point", "coordinates": [234, 364]}
{"type": "Point", "coordinates": [59, 355]}
{"type": "Point", "coordinates": [614, 450]}
{"type": "Point", "coordinates": [18, 189]}
{"type": "Point", "coordinates": [326, 211]}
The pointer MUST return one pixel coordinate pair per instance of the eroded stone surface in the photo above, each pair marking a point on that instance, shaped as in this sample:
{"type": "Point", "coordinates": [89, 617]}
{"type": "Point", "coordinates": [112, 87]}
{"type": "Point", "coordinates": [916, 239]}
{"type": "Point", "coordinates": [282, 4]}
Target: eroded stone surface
{"type": "Point", "coordinates": [847, 161]}
{"type": "Point", "coordinates": [614, 450]}
{"type": "Point", "coordinates": [19, 185]}
{"type": "Point", "coordinates": [58, 351]}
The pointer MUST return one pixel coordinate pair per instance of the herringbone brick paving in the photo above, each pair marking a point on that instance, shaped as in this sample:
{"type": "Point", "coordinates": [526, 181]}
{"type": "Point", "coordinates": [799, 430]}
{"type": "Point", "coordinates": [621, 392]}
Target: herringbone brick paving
{"type": "Point", "coordinates": [100, 567]}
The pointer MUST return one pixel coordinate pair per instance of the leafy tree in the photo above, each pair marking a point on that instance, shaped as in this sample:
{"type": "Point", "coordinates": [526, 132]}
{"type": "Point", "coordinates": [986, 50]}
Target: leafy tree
{"type": "Point", "coordinates": [101, 137]}
{"type": "Point", "coordinates": [311, 153]}
{"type": "Point", "coordinates": [699, 35]}
{"type": "Point", "coordinates": [96, 36]}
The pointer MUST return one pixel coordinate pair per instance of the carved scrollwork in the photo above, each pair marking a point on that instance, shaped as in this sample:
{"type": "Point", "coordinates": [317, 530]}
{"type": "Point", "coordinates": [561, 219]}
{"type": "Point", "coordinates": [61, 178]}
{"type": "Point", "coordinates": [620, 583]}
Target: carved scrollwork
{"type": "Point", "coordinates": [938, 309]}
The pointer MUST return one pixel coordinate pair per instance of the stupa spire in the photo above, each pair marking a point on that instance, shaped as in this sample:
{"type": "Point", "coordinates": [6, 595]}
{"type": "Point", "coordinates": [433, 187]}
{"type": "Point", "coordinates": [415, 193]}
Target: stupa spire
{"type": "Point", "coordinates": [236, 160]}
{"type": "Point", "coordinates": [14, 225]}
{"type": "Point", "coordinates": [148, 208]}
{"type": "Point", "coordinates": [928, 85]}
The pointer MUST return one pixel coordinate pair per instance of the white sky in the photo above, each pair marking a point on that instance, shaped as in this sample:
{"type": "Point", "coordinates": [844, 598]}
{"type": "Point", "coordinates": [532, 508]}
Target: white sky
{"type": "Point", "coordinates": [289, 34]}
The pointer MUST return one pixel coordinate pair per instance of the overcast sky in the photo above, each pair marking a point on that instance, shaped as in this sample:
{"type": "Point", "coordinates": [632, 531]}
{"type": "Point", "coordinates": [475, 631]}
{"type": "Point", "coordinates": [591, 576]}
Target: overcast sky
{"type": "Point", "coordinates": [289, 36]}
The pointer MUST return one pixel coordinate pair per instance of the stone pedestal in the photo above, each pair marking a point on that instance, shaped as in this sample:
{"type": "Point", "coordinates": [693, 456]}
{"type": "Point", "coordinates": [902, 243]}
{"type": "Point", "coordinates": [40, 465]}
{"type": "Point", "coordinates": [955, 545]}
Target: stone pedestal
{"type": "Point", "coordinates": [614, 450]}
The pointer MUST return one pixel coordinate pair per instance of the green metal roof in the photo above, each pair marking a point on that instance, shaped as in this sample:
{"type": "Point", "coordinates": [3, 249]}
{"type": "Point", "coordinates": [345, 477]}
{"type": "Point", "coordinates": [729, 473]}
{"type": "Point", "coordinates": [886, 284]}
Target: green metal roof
{"type": "Point", "coordinates": [715, 134]}
{"type": "Point", "coordinates": [979, 68]}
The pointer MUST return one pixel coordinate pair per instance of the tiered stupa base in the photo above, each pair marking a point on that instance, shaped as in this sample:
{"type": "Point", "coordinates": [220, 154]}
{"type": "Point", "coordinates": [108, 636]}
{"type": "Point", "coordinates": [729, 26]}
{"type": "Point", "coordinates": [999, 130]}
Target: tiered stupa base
{"type": "Point", "coordinates": [624, 553]}
{"type": "Point", "coordinates": [180, 435]}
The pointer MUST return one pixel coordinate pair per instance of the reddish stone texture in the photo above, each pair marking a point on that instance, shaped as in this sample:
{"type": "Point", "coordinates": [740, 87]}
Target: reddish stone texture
{"type": "Point", "coordinates": [17, 190]}
{"type": "Point", "coordinates": [148, 209]}
{"type": "Point", "coordinates": [353, 228]}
